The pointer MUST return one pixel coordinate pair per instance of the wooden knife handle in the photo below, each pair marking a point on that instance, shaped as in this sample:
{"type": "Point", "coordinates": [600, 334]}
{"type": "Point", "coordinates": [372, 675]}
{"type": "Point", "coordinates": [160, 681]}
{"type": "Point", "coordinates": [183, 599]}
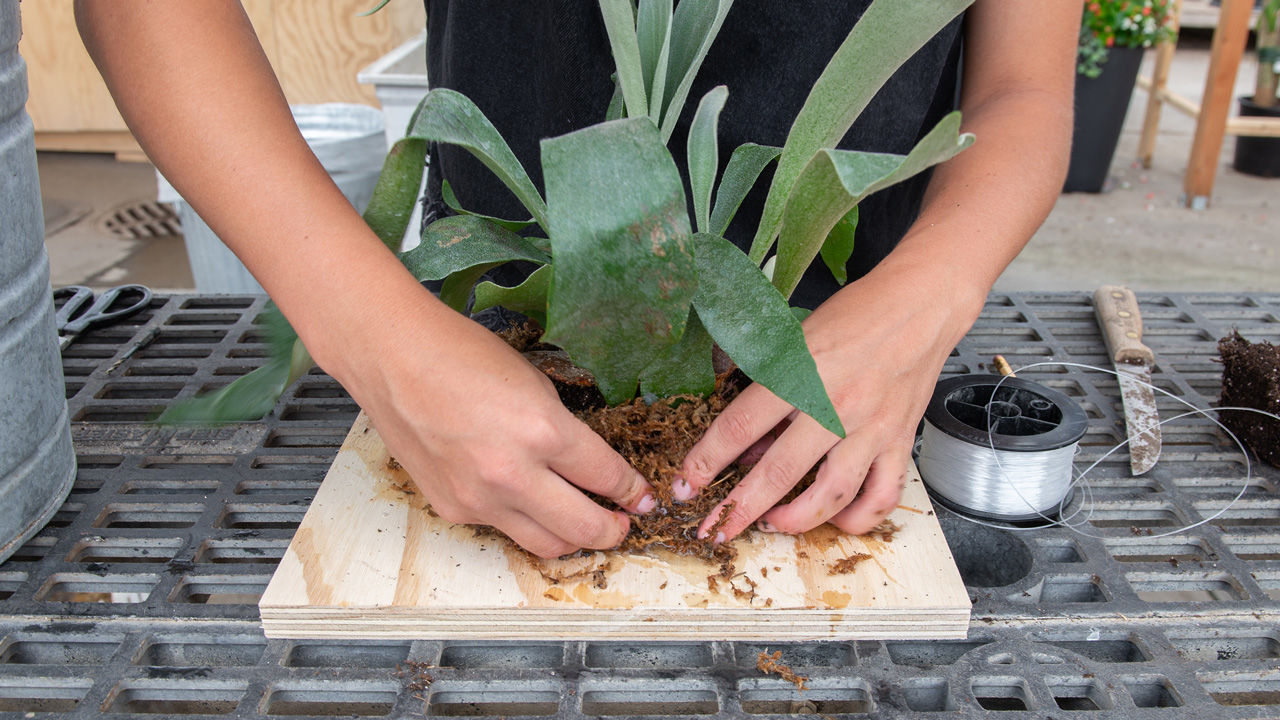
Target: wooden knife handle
{"type": "Point", "coordinates": [1117, 310]}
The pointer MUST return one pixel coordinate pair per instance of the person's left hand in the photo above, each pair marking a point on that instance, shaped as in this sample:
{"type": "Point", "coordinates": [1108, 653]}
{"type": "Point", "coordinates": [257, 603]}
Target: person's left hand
{"type": "Point", "coordinates": [880, 344]}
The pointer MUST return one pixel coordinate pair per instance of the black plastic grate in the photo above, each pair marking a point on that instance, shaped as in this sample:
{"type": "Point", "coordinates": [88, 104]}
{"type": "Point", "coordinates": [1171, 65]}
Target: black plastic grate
{"type": "Point", "coordinates": [140, 597]}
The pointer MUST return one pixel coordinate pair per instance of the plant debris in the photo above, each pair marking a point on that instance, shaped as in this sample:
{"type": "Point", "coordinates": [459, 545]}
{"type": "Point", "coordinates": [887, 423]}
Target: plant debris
{"type": "Point", "coordinates": [846, 565]}
{"type": "Point", "coordinates": [770, 665]}
{"type": "Point", "coordinates": [884, 532]}
{"type": "Point", "coordinates": [415, 678]}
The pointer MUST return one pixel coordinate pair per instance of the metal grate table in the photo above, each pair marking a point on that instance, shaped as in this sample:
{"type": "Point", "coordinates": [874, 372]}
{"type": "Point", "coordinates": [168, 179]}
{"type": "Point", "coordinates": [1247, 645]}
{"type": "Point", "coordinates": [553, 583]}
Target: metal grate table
{"type": "Point", "coordinates": [140, 597]}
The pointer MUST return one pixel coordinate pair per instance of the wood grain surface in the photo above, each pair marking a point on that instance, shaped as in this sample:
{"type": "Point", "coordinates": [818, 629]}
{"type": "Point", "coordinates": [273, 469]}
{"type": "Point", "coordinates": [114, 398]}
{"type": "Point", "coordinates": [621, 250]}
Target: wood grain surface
{"type": "Point", "coordinates": [369, 561]}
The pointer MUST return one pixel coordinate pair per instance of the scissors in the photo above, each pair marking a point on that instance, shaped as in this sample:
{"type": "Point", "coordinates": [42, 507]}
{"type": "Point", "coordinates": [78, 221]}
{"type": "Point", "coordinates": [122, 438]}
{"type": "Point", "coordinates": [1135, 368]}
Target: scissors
{"type": "Point", "coordinates": [73, 318]}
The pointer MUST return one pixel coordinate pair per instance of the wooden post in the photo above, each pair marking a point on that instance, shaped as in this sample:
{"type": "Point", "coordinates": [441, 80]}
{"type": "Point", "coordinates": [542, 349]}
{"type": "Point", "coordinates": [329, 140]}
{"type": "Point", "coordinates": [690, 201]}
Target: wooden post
{"type": "Point", "coordinates": [1159, 78]}
{"type": "Point", "coordinates": [1229, 41]}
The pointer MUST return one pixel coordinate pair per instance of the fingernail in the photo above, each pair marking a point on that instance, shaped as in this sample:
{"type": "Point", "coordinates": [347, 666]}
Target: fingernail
{"type": "Point", "coordinates": [647, 504]}
{"type": "Point", "coordinates": [719, 537]}
{"type": "Point", "coordinates": [682, 490]}
{"type": "Point", "coordinates": [763, 526]}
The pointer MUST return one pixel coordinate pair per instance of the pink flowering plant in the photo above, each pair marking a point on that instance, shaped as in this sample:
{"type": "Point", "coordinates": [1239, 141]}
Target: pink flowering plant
{"type": "Point", "coordinates": [1120, 23]}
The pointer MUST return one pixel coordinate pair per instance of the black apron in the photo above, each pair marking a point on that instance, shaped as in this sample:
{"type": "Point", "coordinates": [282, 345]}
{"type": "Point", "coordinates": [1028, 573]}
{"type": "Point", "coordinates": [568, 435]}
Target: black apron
{"type": "Point", "coordinates": [541, 68]}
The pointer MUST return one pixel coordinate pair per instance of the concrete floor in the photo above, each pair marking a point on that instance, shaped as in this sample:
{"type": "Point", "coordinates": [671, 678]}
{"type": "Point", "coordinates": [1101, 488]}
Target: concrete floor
{"type": "Point", "coordinates": [1137, 234]}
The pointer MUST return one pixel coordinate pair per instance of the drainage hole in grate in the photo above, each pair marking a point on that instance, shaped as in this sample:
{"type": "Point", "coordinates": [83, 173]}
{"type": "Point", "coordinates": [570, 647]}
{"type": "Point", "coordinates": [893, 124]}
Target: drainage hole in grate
{"type": "Point", "coordinates": [159, 370]}
{"type": "Point", "coordinates": [66, 514]}
{"type": "Point", "coordinates": [242, 552]}
{"type": "Point", "coordinates": [117, 413]}
{"type": "Point", "coordinates": [453, 703]}
{"type": "Point", "coordinates": [305, 438]}
{"type": "Point", "coordinates": [1259, 645]}
{"type": "Point", "coordinates": [1151, 691]}
{"type": "Point", "coordinates": [363, 700]}
{"type": "Point", "coordinates": [202, 318]}
{"type": "Point", "coordinates": [1254, 547]}
{"type": "Point", "coordinates": [42, 695]}
{"type": "Point", "coordinates": [34, 549]}
{"type": "Point", "coordinates": [974, 545]}
{"type": "Point", "coordinates": [1162, 587]}
{"type": "Point", "coordinates": [125, 550]}
{"type": "Point", "coordinates": [1134, 516]}
{"type": "Point", "coordinates": [169, 487]}
{"type": "Point", "coordinates": [1170, 550]}
{"type": "Point", "coordinates": [928, 695]}
{"type": "Point", "coordinates": [788, 700]}
{"type": "Point", "coordinates": [98, 462]}
{"type": "Point", "coordinates": [315, 412]}
{"type": "Point", "coordinates": [275, 487]}
{"type": "Point", "coordinates": [1235, 689]}
{"type": "Point", "coordinates": [1246, 513]}
{"type": "Point", "coordinates": [168, 461]}
{"type": "Point", "coordinates": [261, 517]}
{"type": "Point", "coordinates": [1061, 551]}
{"type": "Point", "coordinates": [220, 589]}
{"type": "Point", "coordinates": [798, 655]}
{"type": "Point", "coordinates": [291, 462]}
{"type": "Point", "coordinates": [648, 702]}
{"type": "Point", "coordinates": [164, 697]}
{"type": "Point", "coordinates": [148, 515]}
{"type": "Point", "coordinates": [469, 657]}
{"type": "Point", "coordinates": [648, 656]}
{"type": "Point", "coordinates": [361, 654]}
{"type": "Point", "coordinates": [202, 651]}
{"type": "Point", "coordinates": [89, 588]}
{"type": "Point", "coordinates": [217, 302]}
{"type": "Point", "coordinates": [10, 582]}
{"type": "Point", "coordinates": [929, 654]}
{"type": "Point", "coordinates": [1078, 693]}
{"type": "Point", "coordinates": [1001, 693]}
{"type": "Point", "coordinates": [139, 391]}
{"type": "Point", "coordinates": [35, 650]}
{"type": "Point", "coordinates": [1063, 589]}
{"type": "Point", "coordinates": [1107, 651]}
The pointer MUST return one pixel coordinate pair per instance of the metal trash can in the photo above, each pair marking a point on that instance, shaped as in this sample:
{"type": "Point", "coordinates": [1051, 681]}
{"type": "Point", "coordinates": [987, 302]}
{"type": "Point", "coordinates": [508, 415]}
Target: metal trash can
{"type": "Point", "coordinates": [348, 141]}
{"type": "Point", "coordinates": [37, 463]}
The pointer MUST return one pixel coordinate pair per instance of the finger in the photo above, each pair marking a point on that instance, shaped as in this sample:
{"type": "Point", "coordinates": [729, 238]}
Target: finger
{"type": "Point", "coordinates": [591, 464]}
{"type": "Point", "coordinates": [833, 489]}
{"type": "Point", "coordinates": [802, 445]}
{"type": "Point", "coordinates": [563, 510]}
{"type": "Point", "coordinates": [532, 536]}
{"type": "Point", "coordinates": [752, 414]}
{"type": "Point", "coordinates": [880, 493]}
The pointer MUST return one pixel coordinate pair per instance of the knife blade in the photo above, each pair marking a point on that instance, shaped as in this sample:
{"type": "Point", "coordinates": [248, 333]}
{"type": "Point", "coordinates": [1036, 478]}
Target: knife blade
{"type": "Point", "coordinates": [1121, 324]}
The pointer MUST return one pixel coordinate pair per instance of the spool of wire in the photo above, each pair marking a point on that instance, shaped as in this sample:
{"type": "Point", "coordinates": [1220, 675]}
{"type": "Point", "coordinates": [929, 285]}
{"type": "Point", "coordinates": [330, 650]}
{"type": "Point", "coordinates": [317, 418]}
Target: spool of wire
{"type": "Point", "coordinates": [1000, 448]}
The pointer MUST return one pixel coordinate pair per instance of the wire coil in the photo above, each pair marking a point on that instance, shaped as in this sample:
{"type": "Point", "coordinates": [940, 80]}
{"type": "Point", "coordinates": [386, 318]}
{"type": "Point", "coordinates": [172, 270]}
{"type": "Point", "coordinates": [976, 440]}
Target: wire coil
{"type": "Point", "coordinates": [1000, 448]}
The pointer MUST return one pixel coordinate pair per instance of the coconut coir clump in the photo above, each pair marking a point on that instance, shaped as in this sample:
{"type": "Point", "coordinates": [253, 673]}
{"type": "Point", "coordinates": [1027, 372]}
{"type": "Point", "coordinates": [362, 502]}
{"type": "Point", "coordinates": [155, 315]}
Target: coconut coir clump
{"type": "Point", "coordinates": [1251, 378]}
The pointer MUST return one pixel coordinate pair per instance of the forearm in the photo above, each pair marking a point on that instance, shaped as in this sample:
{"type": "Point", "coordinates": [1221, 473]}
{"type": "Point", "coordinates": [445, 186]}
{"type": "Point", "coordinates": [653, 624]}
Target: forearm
{"type": "Point", "coordinates": [197, 91]}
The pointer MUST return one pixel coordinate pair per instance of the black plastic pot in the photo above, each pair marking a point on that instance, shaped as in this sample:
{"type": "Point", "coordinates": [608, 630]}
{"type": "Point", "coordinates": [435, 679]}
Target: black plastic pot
{"type": "Point", "coordinates": [1257, 155]}
{"type": "Point", "coordinates": [1101, 104]}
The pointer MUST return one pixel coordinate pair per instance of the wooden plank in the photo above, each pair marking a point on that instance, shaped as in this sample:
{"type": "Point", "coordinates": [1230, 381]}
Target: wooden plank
{"type": "Point", "coordinates": [1156, 86]}
{"type": "Point", "coordinates": [1206, 147]}
{"type": "Point", "coordinates": [369, 561]}
{"type": "Point", "coordinates": [120, 142]}
{"type": "Point", "coordinates": [1254, 126]}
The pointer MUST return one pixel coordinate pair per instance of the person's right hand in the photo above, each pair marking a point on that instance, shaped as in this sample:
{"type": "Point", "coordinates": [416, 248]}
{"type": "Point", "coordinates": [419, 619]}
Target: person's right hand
{"type": "Point", "coordinates": [485, 436]}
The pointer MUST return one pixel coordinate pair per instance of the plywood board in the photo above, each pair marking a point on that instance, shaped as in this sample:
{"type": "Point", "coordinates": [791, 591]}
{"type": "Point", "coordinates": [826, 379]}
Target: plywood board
{"type": "Point", "coordinates": [369, 561]}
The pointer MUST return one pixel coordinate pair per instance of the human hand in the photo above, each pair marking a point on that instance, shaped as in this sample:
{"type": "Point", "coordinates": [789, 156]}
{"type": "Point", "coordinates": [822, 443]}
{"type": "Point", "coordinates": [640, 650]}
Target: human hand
{"type": "Point", "coordinates": [880, 345]}
{"type": "Point", "coordinates": [487, 440]}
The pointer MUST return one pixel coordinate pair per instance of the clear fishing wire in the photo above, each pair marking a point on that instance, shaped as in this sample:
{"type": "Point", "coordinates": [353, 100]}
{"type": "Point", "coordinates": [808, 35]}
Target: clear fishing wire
{"type": "Point", "coordinates": [995, 484]}
{"type": "Point", "coordinates": [1001, 482]}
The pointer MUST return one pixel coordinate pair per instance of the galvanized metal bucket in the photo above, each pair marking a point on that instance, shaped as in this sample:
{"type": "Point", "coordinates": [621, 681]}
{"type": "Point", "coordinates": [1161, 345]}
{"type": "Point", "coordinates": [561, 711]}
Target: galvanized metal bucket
{"type": "Point", "coordinates": [37, 463]}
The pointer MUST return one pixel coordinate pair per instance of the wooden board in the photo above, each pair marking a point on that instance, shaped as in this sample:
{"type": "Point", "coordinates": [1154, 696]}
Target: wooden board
{"type": "Point", "coordinates": [368, 561]}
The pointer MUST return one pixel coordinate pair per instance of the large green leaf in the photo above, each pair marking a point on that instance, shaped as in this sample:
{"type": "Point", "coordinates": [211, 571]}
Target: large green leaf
{"type": "Point", "coordinates": [693, 27]}
{"type": "Point", "coordinates": [751, 322]}
{"type": "Point", "coordinates": [464, 241]}
{"type": "Point", "coordinates": [653, 34]}
{"type": "Point", "coordinates": [620, 24]}
{"type": "Point", "coordinates": [451, 200]}
{"type": "Point", "coordinates": [836, 180]}
{"type": "Point", "coordinates": [886, 35]}
{"type": "Point", "coordinates": [838, 247]}
{"type": "Point", "coordinates": [617, 107]}
{"type": "Point", "coordinates": [685, 368]}
{"type": "Point", "coordinates": [529, 297]}
{"type": "Point", "coordinates": [704, 153]}
{"type": "Point", "coordinates": [396, 193]}
{"type": "Point", "coordinates": [624, 272]}
{"type": "Point", "coordinates": [745, 166]}
{"type": "Point", "coordinates": [256, 393]}
{"type": "Point", "coordinates": [450, 117]}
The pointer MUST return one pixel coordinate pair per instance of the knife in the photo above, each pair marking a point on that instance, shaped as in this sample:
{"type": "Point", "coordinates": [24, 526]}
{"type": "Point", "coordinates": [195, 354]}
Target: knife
{"type": "Point", "coordinates": [1121, 324]}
